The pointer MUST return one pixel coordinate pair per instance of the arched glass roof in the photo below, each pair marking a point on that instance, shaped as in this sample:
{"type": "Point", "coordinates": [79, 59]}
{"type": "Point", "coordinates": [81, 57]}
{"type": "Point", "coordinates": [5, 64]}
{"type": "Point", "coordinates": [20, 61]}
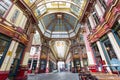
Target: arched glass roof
{"type": "Point", "coordinates": [58, 18]}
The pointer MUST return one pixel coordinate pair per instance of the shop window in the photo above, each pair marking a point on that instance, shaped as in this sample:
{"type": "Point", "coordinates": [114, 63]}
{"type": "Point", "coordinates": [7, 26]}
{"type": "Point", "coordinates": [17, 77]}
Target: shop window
{"type": "Point", "coordinates": [97, 54]}
{"type": "Point", "coordinates": [109, 49]}
{"type": "Point", "coordinates": [4, 45]}
{"type": "Point", "coordinates": [43, 65]}
{"type": "Point", "coordinates": [15, 16]}
{"type": "Point", "coordinates": [16, 62]}
{"type": "Point", "coordinates": [34, 64]}
{"type": "Point", "coordinates": [37, 49]}
{"type": "Point", "coordinates": [4, 6]}
{"type": "Point", "coordinates": [29, 63]}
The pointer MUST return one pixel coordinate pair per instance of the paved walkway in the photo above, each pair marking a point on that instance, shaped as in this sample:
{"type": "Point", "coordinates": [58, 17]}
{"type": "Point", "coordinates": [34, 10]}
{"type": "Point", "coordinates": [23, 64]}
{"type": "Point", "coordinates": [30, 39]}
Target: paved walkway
{"type": "Point", "coordinates": [54, 76]}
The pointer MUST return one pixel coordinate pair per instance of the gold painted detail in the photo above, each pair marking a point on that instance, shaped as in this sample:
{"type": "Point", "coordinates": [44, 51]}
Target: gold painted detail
{"type": "Point", "coordinates": [9, 53]}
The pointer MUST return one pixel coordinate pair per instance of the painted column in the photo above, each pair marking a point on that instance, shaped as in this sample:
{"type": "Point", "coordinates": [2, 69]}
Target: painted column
{"type": "Point", "coordinates": [90, 55]}
{"type": "Point", "coordinates": [81, 60]}
{"type": "Point", "coordinates": [31, 64]}
{"type": "Point", "coordinates": [114, 44]}
{"type": "Point", "coordinates": [27, 51]}
{"type": "Point", "coordinates": [91, 58]}
{"type": "Point", "coordinates": [102, 55]}
{"type": "Point", "coordinates": [47, 65]}
{"type": "Point", "coordinates": [38, 60]}
{"type": "Point", "coordinates": [8, 56]}
{"type": "Point", "coordinates": [72, 65]}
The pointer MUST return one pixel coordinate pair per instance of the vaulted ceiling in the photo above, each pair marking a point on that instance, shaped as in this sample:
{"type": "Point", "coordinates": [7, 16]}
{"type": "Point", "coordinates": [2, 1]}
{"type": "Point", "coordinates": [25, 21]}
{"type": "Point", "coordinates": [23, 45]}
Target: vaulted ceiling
{"type": "Point", "coordinates": [58, 18]}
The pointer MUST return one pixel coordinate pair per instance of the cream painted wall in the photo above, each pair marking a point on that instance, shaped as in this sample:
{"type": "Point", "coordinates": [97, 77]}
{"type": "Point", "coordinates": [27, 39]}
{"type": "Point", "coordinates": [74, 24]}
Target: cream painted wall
{"type": "Point", "coordinates": [21, 17]}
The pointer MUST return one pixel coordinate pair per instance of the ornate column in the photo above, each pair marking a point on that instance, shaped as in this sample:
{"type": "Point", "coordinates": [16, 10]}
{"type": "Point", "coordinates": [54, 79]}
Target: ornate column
{"type": "Point", "coordinates": [114, 44]}
{"type": "Point", "coordinates": [72, 66]}
{"type": "Point", "coordinates": [38, 60]}
{"type": "Point", "coordinates": [31, 64]}
{"type": "Point", "coordinates": [81, 58]}
{"type": "Point", "coordinates": [24, 62]}
{"type": "Point", "coordinates": [27, 50]}
{"type": "Point", "coordinates": [91, 58]}
{"type": "Point", "coordinates": [47, 65]}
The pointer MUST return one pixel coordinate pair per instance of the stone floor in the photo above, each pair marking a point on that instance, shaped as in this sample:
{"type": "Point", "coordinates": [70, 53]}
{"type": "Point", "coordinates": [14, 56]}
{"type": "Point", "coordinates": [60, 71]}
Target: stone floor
{"type": "Point", "coordinates": [54, 76]}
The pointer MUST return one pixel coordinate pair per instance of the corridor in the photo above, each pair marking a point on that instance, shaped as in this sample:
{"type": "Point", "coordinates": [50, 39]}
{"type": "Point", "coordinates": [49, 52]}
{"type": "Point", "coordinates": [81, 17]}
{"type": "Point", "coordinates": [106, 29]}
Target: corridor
{"type": "Point", "coordinates": [54, 76]}
{"type": "Point", "coordinates": [59, 39]}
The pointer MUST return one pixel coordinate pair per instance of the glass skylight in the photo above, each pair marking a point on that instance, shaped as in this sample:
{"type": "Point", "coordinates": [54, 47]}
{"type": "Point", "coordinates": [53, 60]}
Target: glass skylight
{"type": "Point", "coordinates": [71, 11]}
{"type": "Point", "coordinates": [61, 48]}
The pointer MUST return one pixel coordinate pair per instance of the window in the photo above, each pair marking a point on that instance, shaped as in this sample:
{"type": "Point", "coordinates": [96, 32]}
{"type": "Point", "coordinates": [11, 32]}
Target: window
{"type": "Point", "coordinates": [43, 65]}
{"type": "Point", "coordinates": [19, 51]}
{"type": "Point", "coordinates": [117, 29]}
{"type": "Point", "coordinates": [31, 1]}
{"type": "Point", "coordinates": [34, 64]}
{"type": "Point", "coordinates": [81, 38]}
{"type": "Point", "coordinates": [4, 45]}
{"type": "Point", "coordinates": [37, 49]}
{"type": "Point", "coordinates": [109, 49]}
{"type": "Point", "coordinates": [15, 16]}
{"type": "Point", "coordinates": [76, 51]}
{"type": "Point", "coordinates": [96, 18]}
{"type": "Point", "coordinates": [4, 6]}
{"type": "Point", "coordinates": [88, 24]}
{"type": "Point", "coordinates": [96, 54]}
{"type": "Point", "coordinates": [102, 2]}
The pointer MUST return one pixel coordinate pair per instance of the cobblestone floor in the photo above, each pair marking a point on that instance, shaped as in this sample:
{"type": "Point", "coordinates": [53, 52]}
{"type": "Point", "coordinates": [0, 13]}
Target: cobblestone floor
{"type": "Point", "coordinates": [54, 76]}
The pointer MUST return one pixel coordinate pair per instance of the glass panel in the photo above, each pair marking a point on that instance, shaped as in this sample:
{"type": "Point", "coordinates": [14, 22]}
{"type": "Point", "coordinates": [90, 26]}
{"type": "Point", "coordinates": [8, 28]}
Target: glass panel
{"type": "Point", "coordinates": [4, 6]}
{"type": "Point", "coordinates": [118, 33]}
{"type": "Point", "coordinates": [97, 54]}
{"type": "Point", "coordinates": [41, 10]}
{"type": "Point", "coordinates": [109, 49]}
{"type": "Point", "coordinates": [41, 27]}
{"type": "Point", "coordinates": [31, 1]}
{"type": "Point", "coordinates": [96, 18]}
{"type": "Point", "coordinates": [19, 52]}
{"type": "Point", "coordinates": [3, 45]}
{"type": "Point", "coordinates": [75, 10]}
